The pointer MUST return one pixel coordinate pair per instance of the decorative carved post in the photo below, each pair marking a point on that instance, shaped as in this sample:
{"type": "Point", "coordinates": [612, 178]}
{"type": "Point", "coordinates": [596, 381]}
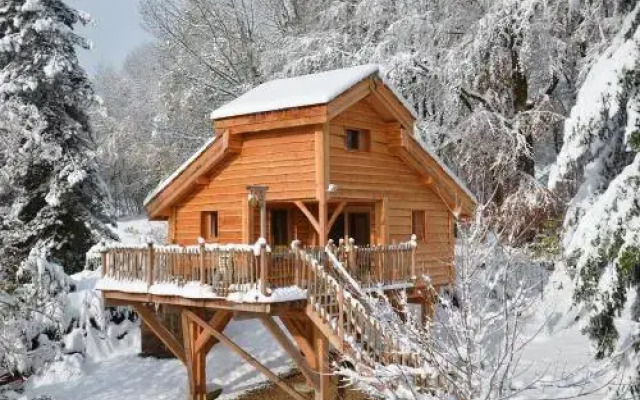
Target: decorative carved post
{"type": "Point", "coordinates": [150, 261]}
{"type": "Point", "coordinates": [203, 279]}
{"type": "Point", "coordinates": [297, 264]}
{"type": "Point", "coordinates": [351, 249]}
{"type": "Point", "coordinates": [341, 312]}
{"type": "Point", "coordinates": [340, 252]}
{"type": "Point", "coordinates": [258, 197]}
{"type": "Point", "coordinates": [330, 247]}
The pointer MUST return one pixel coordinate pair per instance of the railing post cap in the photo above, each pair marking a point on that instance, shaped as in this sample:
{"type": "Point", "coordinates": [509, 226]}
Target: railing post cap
{"type": "Point", "coordinates": [352, 241]}
{"type": "Point", "coordinates": [201, 241]}
{"type": "Point", "coordinates": [295, 244]}
{"type": "Point", "coordinates": [341, 241]}
{"type": "Point", "coordinates": [414, 240]}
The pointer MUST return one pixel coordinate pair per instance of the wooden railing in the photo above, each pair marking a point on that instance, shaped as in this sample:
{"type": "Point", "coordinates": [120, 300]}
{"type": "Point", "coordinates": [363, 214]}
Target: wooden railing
{"type": "Point", "coordinates": [378, 264]}
{"type": "Point", "coordinates": [242, 268]}
{"type": "Point", "coordinates": [225, 268]}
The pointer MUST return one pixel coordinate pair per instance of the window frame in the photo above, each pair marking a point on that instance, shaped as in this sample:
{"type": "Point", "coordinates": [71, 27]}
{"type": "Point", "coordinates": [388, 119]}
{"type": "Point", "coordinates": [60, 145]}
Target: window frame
{"type": "Point", "coordinates": [207, 226]}
{"type": "Point", "coordinates": [363, 139]}
{"type": "Point", "coordinates": [417, 215]}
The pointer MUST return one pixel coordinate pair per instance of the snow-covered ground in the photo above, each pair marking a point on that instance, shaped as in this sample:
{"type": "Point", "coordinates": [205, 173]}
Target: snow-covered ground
{"type": "Point", "coordinates": [559, 362]}
{"type": "Point", "coordinates": [127, 376]}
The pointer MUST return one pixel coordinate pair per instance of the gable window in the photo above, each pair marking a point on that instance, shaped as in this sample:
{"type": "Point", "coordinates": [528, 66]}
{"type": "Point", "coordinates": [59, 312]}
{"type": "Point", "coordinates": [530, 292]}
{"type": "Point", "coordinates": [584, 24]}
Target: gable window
{"type": "Point", "coordinates": [418, 225]}
{"type": "Point", "coordinates": [357, 140]}
{"type": "Point", "coordinates": [210, 225]}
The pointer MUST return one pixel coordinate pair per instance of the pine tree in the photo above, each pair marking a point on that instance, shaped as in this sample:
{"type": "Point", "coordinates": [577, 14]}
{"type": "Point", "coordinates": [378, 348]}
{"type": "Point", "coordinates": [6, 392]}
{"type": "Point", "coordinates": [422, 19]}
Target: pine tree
{"type": "Point", "coordinates": [56, 198]}
{"type": "Point", "coordinates": [53, 205]}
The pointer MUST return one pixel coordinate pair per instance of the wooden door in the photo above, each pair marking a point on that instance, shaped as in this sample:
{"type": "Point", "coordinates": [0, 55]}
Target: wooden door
{"type": "Point", "coordinates": [280, 227]}
{"type": "Point", "coordinates": [360, 227]}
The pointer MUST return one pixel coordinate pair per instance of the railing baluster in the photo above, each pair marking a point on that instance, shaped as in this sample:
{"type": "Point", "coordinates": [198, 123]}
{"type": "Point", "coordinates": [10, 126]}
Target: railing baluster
{"type": "Point", "coordinates": [150, 262]}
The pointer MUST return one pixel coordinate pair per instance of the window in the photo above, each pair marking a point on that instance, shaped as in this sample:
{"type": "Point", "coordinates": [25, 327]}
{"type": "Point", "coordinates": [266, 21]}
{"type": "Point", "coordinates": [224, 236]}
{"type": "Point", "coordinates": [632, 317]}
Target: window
{"type": "Point", "coordinates": [357, 140]}
{"type": "Point", "coordinates": [418, 225]}
{"type": "Point", "coordinates": [210, 225]}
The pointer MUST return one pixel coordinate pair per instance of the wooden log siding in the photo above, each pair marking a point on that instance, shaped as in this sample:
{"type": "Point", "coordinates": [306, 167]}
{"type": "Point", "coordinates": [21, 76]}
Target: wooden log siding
{"type": "Point", "coordinates": [380, 176]}
{"type": "Point", "coordinates": [281, 159]}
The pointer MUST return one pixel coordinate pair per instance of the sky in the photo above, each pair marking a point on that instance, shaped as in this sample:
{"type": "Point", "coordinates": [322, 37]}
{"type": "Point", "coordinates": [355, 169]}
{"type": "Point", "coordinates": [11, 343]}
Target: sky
{"type": "Point", "coordinates": [115, 31]}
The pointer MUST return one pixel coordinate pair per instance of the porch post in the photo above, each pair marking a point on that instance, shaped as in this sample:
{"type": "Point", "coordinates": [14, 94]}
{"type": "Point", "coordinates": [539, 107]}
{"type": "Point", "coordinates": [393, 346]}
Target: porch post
{"type": "Point", "coordinates": [321, 347]}
{"type": "Point", "coordinates": [257, 196]}
{"type": "Point", "coordinates": [322, 221]}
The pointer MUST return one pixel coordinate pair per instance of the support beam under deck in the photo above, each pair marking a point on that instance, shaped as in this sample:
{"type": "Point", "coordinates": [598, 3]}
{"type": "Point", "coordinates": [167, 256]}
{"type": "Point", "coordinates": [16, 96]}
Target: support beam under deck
{"type": "Point", "coordinates": [243, 354]}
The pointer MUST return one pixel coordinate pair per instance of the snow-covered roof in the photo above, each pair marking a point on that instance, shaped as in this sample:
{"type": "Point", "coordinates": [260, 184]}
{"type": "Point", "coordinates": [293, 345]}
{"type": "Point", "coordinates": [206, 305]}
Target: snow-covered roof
{"type": "Point", "coordinates": [300, 91]}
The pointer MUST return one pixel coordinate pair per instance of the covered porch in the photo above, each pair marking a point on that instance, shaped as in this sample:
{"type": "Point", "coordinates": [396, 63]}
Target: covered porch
{"type": "Point", "coordinates": [299, 220]}
{"type": "Point", "coordinates": [313, 222]}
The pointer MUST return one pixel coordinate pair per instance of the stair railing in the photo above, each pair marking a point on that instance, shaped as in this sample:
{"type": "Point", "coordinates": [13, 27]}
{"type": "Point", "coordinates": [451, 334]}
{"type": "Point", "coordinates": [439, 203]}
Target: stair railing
{"type": "Point", "coordinates": [349, 318]}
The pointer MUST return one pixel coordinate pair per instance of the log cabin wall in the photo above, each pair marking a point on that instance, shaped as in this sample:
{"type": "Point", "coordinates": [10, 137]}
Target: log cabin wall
{"type": "Point", "coordinates": [375, 173]}
{"type": "Point", "coordinates": [286, 161]}
{"type": "Point", "coordinates": [282, 159]}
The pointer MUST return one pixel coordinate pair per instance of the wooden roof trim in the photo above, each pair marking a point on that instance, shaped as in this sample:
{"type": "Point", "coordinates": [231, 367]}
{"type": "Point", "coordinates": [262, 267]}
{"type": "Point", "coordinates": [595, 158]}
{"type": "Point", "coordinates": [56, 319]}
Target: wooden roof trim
{"type": "Point", "coordinates": [176, 189]}
{"type": "Point", "coordinates": [310, 115]}
{"type": "Point", "coordinates": [341, 103]}
{"type": "Point", "coordinates": [390, 100]}
{"type": "Point", "coordinates": [459, 201]}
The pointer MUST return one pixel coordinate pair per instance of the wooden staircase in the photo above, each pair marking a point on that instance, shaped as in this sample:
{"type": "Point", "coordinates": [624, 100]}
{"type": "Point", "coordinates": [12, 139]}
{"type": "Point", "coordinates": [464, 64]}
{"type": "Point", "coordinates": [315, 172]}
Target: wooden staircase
{"type": "Point", "coordinates": [338, 308]}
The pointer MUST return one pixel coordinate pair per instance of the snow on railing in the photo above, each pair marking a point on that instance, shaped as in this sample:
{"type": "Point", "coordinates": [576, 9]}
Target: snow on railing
{"type": "Point", "coordinates": [217, 270]}
{"type": "Point", "coordinates": [376, 265]}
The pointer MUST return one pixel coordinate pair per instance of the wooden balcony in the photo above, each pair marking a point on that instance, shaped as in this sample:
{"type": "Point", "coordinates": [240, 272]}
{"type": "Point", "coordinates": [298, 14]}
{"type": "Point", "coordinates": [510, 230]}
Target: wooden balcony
{"type": "Point", "coordinates": [251, 273]}
{"type": "Point", "coordinates": [318, 293]}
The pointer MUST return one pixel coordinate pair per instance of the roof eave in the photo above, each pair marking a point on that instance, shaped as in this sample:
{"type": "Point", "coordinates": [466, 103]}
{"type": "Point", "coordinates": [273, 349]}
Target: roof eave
{"type": "Point", "coordinates": [192, 171]}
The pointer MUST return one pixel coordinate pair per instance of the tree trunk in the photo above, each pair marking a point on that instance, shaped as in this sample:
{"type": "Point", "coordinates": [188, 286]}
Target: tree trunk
{"type": "Point", "coordinates": [520, 92]}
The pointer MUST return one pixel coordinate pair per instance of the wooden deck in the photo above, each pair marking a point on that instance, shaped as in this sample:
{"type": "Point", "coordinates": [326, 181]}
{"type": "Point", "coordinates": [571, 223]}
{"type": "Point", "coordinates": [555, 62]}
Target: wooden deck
{"type": "Point", "coordinates": [317, 293]}
{"type": "Point", "coordinates": [225, 270]}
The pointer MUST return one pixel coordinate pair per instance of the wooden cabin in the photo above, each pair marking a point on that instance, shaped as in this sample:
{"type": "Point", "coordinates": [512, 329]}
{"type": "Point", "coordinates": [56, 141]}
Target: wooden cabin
{"type": "Point", "coordinates": [324, 174]}
{"type": "Point", "coordinates": [337, 154]}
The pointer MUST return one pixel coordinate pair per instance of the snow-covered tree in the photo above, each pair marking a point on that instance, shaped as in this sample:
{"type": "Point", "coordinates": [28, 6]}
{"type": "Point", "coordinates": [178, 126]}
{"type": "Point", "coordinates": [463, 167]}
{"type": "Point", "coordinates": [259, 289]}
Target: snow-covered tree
{"type": "Point", "coordinates": [54, 205]}
{"type": "Point", "coordinates": [474, 342]}
{"type": "Point", "coordinates": [209, 52]}
{"type": "Point", "coordinates": [133, 156]}
{"type": "Point", "coordinates": [598, 171]}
